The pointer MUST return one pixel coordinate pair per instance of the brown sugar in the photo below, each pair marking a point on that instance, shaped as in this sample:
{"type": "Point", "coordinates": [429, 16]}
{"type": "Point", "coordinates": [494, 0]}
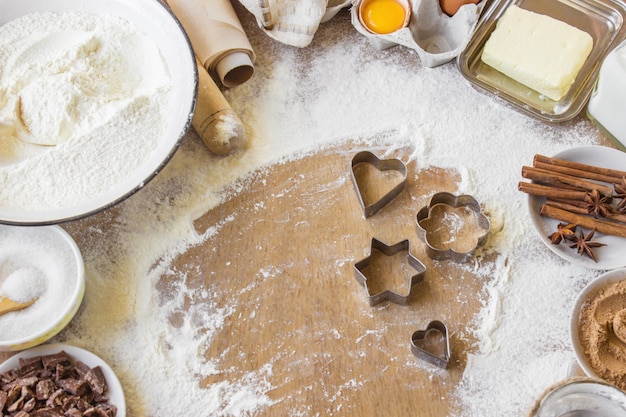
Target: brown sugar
{"type": "Point", "coordinates": [602, 331]}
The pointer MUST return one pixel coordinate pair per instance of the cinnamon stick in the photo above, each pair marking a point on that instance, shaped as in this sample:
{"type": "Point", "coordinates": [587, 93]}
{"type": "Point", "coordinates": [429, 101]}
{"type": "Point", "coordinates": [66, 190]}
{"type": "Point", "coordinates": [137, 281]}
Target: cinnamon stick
{"type": "Point", "coordinates": [617, 174]}
{"type": "Point", "coordinates": [576, 208]}
{"type": "Point", "coordinates": [563, 180]}
{"type": "Point", "coordinates": [577, 172]}
{"type": "Point", "coordinates": [577, 203]}
{"type": "Point", "coordinates": [602, 226]}
{"type": "Point", "coordinates": [550, 192]}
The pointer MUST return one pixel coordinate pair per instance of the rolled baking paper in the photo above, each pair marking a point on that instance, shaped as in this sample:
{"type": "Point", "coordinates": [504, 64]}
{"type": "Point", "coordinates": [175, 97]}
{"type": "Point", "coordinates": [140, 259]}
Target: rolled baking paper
{"type": "Point", "coordinates": [217, 37]}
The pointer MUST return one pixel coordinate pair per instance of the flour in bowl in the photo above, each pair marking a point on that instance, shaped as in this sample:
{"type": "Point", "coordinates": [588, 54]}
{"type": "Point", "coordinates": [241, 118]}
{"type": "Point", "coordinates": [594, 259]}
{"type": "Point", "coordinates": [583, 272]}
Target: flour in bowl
{"type": "Point", "coordinates": [82, 105]}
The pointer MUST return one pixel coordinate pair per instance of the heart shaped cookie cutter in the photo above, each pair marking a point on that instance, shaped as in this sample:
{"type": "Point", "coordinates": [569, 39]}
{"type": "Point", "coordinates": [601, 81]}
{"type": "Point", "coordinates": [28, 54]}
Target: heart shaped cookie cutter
{"type": "Point", "coordinates": [437, 220]}
{"type": "Point", "coordinates": [381, 165]}
{"type": "Point", "coordinates": [420, 350]}
{"type": "Point", "coordinates": [386, 250]}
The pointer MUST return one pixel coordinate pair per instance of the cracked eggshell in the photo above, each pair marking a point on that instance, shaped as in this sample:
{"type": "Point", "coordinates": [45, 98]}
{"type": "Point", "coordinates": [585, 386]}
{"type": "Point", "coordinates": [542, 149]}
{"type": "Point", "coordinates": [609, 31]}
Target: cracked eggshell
{"type": "Point", "coordinates": [436, 37]}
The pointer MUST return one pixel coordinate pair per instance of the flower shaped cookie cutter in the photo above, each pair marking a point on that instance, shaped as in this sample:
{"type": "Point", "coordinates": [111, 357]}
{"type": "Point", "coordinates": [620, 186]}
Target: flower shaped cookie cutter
{"type": "Point", "coordinates": [452, 227]}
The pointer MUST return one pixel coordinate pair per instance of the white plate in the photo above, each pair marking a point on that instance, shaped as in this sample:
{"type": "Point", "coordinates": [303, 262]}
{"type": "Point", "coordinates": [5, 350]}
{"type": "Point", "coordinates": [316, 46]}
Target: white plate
{"type": "Point", "coordinates": [114, 393]}
{"type": "Point", "coordinates": [611, 256]}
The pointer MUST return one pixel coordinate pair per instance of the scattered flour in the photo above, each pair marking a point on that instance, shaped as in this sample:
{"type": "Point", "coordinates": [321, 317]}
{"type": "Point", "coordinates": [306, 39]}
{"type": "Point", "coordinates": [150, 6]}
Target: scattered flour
{"type": "Point", "coordinates": [299, 101]}
{"type": "Point", "coordinates": [81, 107]}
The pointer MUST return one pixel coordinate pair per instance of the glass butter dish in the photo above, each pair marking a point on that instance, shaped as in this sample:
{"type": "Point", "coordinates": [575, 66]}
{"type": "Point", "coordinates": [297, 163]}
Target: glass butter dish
{"type": "Point", "coordinates": [604, 20]}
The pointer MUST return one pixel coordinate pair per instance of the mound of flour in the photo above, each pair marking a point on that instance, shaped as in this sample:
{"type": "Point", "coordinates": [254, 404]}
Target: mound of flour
{"type": "Point", "coordinates": [82, 102]}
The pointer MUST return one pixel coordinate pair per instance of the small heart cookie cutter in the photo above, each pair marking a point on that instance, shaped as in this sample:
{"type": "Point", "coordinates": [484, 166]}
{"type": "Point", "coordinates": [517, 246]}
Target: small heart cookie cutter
{"type": "Point", "coordinates": [386, 250]}
{"type": "Point", "coordinates": [451, 201]}
{"type": "Point", "coordinates": [419, 350]}
{"type": "Point", "coordinates": [382, 165]}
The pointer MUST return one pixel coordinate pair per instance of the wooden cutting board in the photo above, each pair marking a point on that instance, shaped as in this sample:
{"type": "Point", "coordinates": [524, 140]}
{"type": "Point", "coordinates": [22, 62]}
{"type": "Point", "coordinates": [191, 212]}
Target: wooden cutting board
{"type": "Point", "coordinates": [284, 261]}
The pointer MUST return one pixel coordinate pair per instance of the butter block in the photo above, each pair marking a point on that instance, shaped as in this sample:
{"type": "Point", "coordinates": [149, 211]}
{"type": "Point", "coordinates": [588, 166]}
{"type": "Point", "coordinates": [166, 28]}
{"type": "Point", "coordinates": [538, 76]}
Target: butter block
{"type": "Point", "coordinates": [543, 53]}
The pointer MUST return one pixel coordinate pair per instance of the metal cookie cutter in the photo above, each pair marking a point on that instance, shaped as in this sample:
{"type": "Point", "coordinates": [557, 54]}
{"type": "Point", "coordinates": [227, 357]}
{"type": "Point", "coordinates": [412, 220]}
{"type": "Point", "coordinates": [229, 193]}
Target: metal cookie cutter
{"type": "Point", "coordinates": [436, 355]}
{"type": "Point", "coordinates": [389, 295]}
{"type": "Point", "coordinates": [381, 165]}
{"type": "Point", "coordinates": [452, 227]}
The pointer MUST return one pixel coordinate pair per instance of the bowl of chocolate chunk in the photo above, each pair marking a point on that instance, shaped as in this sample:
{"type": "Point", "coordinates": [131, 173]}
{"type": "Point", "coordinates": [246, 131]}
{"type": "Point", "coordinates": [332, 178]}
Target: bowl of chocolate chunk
{"type": "Point", "coordinates": [42, 278]}
{"type": "Point", "coordinates": [598, 328]}
{"type": "Point", "coordinates": [95, 97]}
{"type": "Point", "coordinates": [59, 380]}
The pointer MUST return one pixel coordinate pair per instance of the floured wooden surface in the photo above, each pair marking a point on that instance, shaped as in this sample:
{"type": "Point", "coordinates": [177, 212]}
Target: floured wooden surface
{"type": "Point", "coordinates": [282, 261]}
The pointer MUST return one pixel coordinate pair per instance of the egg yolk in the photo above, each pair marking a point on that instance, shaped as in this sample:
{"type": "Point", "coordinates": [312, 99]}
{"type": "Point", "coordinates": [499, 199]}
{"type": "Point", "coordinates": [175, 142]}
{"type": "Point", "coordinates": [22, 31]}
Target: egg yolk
{"type": "Point", "coordinates": [383, 16]}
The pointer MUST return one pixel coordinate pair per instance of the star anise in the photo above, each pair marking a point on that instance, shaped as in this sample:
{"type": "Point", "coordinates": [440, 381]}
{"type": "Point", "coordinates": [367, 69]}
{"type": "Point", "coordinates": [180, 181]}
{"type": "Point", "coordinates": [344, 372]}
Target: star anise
{"type": "Point", "coordinates": [620, 192]}
{"type": "Point", "coordinates": [564, 232]}
{"type": "Point", "coordinates": [584, 245]}
{"type": "Point", "coordinates": [597, 204]}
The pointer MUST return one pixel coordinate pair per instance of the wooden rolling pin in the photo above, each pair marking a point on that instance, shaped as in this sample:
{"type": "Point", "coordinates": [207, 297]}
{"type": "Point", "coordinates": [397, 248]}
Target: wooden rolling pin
{"type": "Point", "coordinates": [215, 121]}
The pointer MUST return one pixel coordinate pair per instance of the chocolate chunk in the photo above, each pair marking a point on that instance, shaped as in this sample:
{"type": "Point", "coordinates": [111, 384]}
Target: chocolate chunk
{"type": "Point", "coordinates": [3, 400]}
{"type": "Point", "coordinates": [100, 398]}
{"type": "Point", "coordinates": [96, 380]}
{"type": "Point", "coordinates": [63, 371]}
{"type": "Point", "coordinates": [15, 405]}
{"type": "Point", "coordinates": [73, 412]}
{"type": "Point", "coordinates": [95, 412]}
{"type": "Point", "coordinates": [29, 381]}
{"type": "Point", "coordinates": [29, 366]}
{"type": "Point", "coordinates": [30, 405]}
{"type": "Point", "coordinates": [110, 409]}
{"type": "Point", "coordinates": [48, 412]}
{"type": "Point", "coordinates": [44, 389]}
{"type": "Point", "coordinates": [73, 386]}
{"type": "Point", "coordinates": [81, 368]}
{"type": "Point", "coordinates": [56, 399]}
{"type": "Point", "coordinates": [8, 376]}
{"type": "Point", "coordinates": [13, 394]}
{"type": "Point", "coordinates": [83, 405]}
{"type": "Point", "coordinates": [51, 361]}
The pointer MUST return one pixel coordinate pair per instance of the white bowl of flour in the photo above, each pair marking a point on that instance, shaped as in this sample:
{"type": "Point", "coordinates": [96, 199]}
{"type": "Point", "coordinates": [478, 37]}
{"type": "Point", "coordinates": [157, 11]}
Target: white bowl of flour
{"type": "Point", "coordinates": [95, 97]}
{"type": "Point", "coordinates": [42, 264]}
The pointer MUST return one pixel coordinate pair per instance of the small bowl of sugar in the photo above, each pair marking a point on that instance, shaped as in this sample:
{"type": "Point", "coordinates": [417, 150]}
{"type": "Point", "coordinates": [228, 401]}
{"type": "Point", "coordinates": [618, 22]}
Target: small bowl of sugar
{"type": "Point", "coordinates": [42, 266]}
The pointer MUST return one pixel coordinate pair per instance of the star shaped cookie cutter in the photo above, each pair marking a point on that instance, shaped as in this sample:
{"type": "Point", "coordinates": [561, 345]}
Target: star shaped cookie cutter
{"type": "Point", "coordinates": [386, 250]}
{"type": "Point", "coordinates": [436, 355]}
{"type": "Point", "coordinates": [448, 219]}
{"type": "Point", "coordinates": [381, 165]}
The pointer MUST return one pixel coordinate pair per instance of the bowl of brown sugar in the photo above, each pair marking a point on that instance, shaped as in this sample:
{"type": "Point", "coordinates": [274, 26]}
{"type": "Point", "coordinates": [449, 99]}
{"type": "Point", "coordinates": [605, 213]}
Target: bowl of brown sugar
{"type": "Point", "coordinates": [598, 328]}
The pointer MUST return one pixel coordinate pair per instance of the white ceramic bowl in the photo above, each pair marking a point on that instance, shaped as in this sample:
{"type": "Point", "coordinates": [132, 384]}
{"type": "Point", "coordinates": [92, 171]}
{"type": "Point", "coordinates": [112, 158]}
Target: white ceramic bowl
{"type": "Point", "coordinates": [157, 21]}
{"type": "Point", "coordinates": [52, 246]}
{"type": "Point", "coordinates": [587, 294]}
{"type": "Point", "coordinates": [115, 392]}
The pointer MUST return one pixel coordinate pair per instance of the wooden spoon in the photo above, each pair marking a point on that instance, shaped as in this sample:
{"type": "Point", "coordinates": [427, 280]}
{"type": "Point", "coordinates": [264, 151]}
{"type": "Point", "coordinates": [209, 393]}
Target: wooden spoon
{"type": "Point", "coordinates": [7, 305]}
